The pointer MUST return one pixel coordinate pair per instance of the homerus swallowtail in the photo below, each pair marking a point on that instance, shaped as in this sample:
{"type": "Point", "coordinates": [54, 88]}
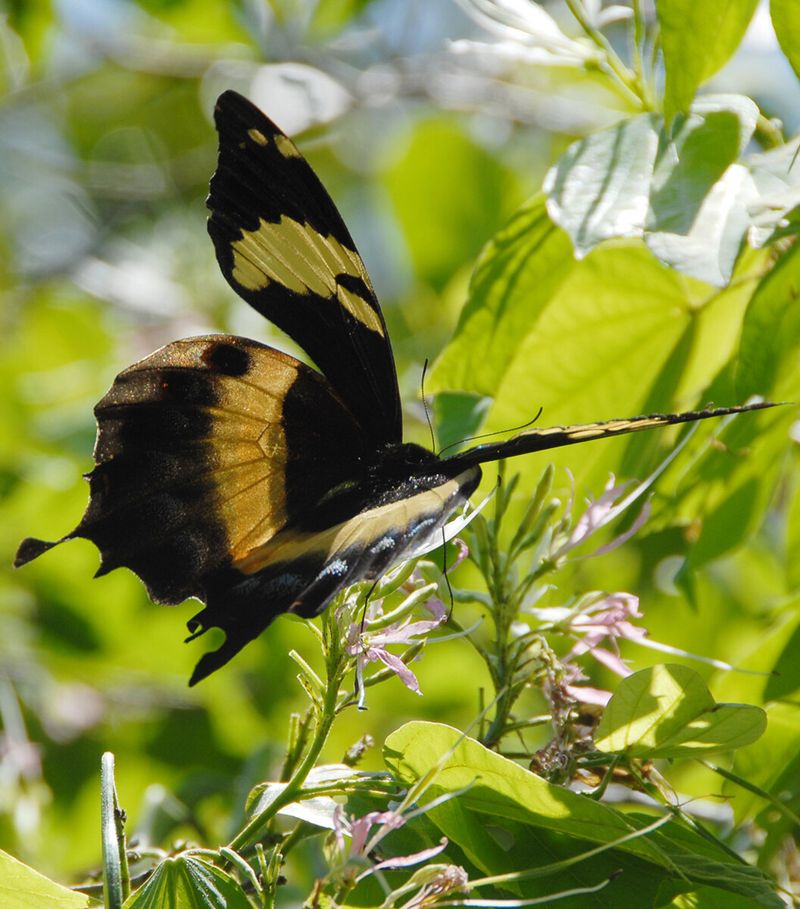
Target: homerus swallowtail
{"type": "Point", "coordinates": [231, 472]}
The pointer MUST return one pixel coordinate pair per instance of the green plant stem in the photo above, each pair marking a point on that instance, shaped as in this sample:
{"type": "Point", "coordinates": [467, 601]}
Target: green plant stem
{"type": "Point", "coordinates": [768, 133]}
{"type": "Point", "coordinates": [615, 65]}
{"type": "Point", "coordinates": [257, 825]}
{"type": "Point", "coordinates": [639, 38]}
{"type": "Point", "coordinates": [116, 876]}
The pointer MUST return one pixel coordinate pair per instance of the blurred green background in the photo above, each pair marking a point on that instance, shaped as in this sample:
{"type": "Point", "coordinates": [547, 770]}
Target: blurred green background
{"type": "Point", "coordinates": [106, 148]}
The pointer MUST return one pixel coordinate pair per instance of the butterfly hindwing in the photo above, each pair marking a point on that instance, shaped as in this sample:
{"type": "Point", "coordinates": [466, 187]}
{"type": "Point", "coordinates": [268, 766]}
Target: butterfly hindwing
{"type": "Point", "coordinates": [284, 248]}
{"type": "Point", "coordinates": [360, 532]}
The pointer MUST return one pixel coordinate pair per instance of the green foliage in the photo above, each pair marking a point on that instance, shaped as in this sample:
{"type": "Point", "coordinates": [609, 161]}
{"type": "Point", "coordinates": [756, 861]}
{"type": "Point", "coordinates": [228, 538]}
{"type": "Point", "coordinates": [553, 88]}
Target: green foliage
{"type": "Point", "coordinates": [786, 20]}
{"type": "Point", "coordinates": [668, 712]}
{"type": "Point", "coordinates": [684, 189]}
{"type": "Point", "coordinates": [654, 268]}
{"type": "Point", "coordinates": [455, 223]}
{"type": "Point", "coordinates": [494, 792]}
{"type": "Point", "coordinates": [23, 888]}
{"type": "Point", "coordinates": [189, 882]}
{"type": "Point", "coordinates": [697, 40]}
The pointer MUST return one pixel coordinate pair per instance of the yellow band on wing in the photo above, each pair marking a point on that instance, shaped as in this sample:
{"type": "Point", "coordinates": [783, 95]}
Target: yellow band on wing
{"type": "Point", "coordinates": [368, 527]}
{"type": "Point", "coordinates": [303, 260]}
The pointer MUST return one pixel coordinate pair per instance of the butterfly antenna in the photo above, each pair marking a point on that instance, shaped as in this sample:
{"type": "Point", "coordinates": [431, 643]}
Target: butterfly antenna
{"type": "Point", "coordinates": [425, 404]}
{"type": "Point", "coordinates": [447, 577]}
{"type": "Point", "coordinates": [366, 603]}
{"type": "Point", "coordinates": [497, 432]}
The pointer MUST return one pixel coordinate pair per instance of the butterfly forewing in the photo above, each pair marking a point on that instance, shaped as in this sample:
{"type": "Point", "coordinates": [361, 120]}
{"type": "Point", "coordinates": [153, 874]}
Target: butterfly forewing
{"type": "Point", "coordinates": [203, 451]}
{"type": "Point", "coordinates": [284, 248]}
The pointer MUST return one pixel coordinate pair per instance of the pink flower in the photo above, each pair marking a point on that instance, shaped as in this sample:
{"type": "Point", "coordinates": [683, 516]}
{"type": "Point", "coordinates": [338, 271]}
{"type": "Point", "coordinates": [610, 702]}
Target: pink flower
{"type": "Point", "coordinates": [363, 841]}
{"type": "Point", "coordinates": [368, 646]}
{"type": "Point", "coordinates": [607, 620]}
{"type": "Point", "coordinates": [598, 514]}
{"type": "Point", "coordinates": [594, 621]}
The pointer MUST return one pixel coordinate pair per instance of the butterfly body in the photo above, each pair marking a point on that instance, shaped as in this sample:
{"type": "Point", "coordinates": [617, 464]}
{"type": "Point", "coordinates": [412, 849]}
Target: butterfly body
{"type": "Point", "coordinates": [231, 472]}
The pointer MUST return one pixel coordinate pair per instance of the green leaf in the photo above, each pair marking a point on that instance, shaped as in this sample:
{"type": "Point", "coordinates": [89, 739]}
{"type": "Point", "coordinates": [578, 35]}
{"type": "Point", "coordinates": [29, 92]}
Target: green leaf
{"type": "Point", "coordinates": [516, 276]}
{"type": "Point", "coordinates": [189, 882]}
{"type": "Point", "coordinates": [458, 416]}
{"type": "Point", "coordinates": [691, 161]}
{"type": "Point", "coordinates": [497, 787]}
{"type": "Point", "coordinates": [667, 711]}
{"type": "Point", "coordinates": [786, 22]}
{"type": "Point", "coordinates": [683, 192]}
{"type": "Point", "coordinates": [700, 198]}
{"type": "Point", "coordinates": [784, 681]}
{"type": "Point", "coordinates": [487, 791]}
{"type": "Point", "coordinates": [771, 763]}
{"type": "Point", "coordinates": [600, 186]}
{"type": "Point", "coordinates": [710, 898]}
{"type": "Point", "coordinates": [449, 195]}
{"type": "Point", "coordinates": [731, 484]}
{"type": "Point", "coordinates": [768, 350]}
{"type": "Point", "coordinates": [23, 888]}
{"type": "Point", "coordinates": [595, 353]}
{"type": "Point", "coordinates": [697, 39]}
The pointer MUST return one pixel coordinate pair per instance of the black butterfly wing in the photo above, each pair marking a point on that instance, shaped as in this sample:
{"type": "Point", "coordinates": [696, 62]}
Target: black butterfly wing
{"type": "Point", "coordinates": [228, 471]}
{"type": "Point", "coordinates": [205, 450]}
{"type": "Point", "coordinates": [284, 248]}
{"type": "Point", "coordinates": [532, 440]}
{"type": "Point", "coordinates": [358, 532]}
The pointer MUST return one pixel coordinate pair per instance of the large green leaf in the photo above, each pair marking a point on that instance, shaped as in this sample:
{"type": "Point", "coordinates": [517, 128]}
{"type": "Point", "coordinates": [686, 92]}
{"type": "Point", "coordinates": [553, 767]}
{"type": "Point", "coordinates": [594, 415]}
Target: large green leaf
{"type": "Point", "coordinates": [189, 882]}
{"type": "Point", "coordinates": [697, 39]}
{"type": "Point", "coordinates": [515, 278]}
{"type": "Point", "coordinates": [786, 20]}
{"type": "Point", "coordinates": [767, 361]}
{"type": "Point", "coordinates": [668, 712]}
{"type": "Point", "coordinates": [600, 186]}
{"type": "Point", "coordinates": [487, 791]}
{"type": "Point", "coordinates": [681, 190]}
{"type": "Point", "coordinates": [595, 353]}
{"type": "Point", "coordinates": [23, 888]}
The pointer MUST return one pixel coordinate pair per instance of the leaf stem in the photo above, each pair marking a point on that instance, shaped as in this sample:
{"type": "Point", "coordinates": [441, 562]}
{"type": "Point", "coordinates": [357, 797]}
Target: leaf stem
{"type": "Point", "coordinates": [257, 825]}
{"type": "Point", "coordinates": [616, 66]}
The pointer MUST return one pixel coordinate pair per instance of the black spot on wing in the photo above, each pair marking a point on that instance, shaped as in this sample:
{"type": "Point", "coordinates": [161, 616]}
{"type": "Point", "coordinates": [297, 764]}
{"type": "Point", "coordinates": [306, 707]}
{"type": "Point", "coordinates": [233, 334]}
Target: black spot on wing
{"type": "Point", "coordinates": [227, 359]}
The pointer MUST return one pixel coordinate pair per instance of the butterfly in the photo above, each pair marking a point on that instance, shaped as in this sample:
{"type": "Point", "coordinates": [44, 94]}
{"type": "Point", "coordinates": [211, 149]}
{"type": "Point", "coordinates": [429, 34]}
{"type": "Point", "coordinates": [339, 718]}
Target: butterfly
{"type": "Point", "coordinates": [231, 472]}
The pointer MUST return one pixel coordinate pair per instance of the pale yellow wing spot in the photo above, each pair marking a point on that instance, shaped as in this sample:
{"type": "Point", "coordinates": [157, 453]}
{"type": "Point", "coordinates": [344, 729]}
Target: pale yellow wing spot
{"type": "Point", "coordinates": [310, 247]}
{"type": "Point", "coordinates": [257, 136]}
{"type": "Point", "coordinates": [339, 259]}
{"type": "Point", "coordinates": [286, 147]}
{"type": "Point", "coordinates": [256, 262]}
